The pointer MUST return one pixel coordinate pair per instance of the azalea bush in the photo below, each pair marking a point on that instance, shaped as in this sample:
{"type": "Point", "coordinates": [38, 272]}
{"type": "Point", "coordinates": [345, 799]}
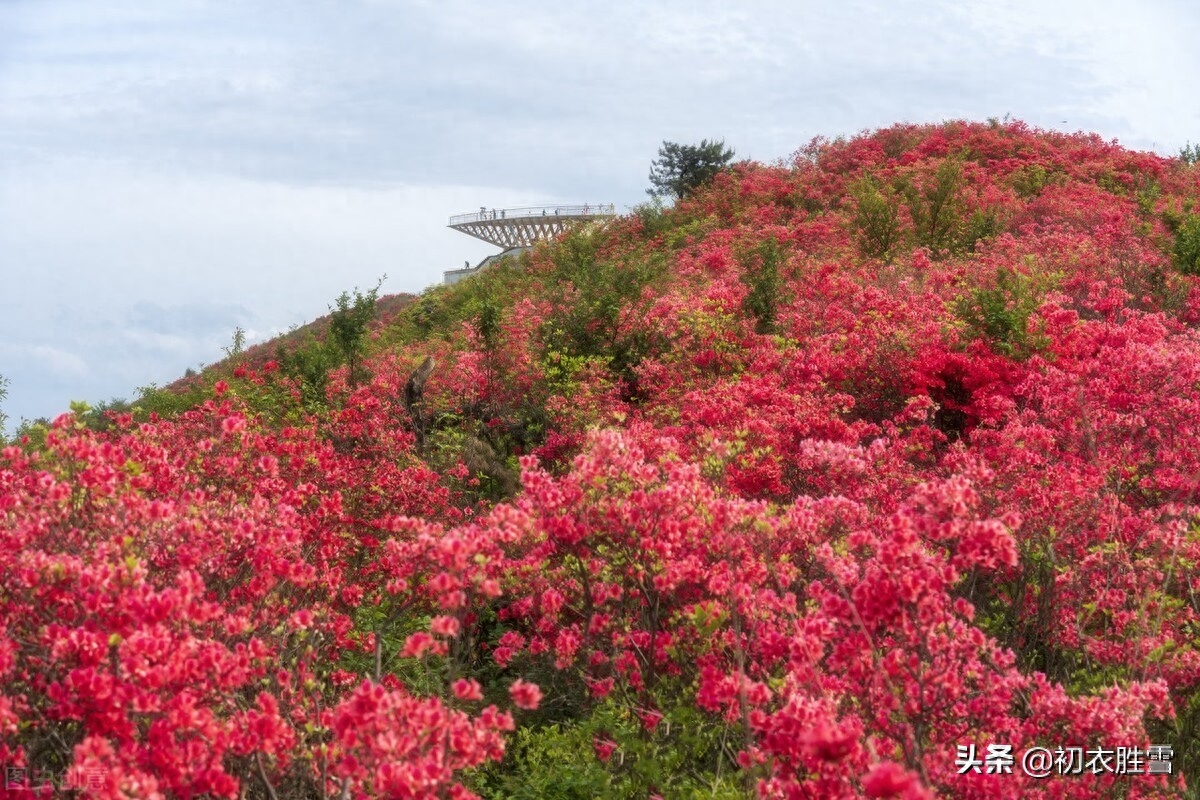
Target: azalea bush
{"type": "Point", "coordinates": [814, 485]}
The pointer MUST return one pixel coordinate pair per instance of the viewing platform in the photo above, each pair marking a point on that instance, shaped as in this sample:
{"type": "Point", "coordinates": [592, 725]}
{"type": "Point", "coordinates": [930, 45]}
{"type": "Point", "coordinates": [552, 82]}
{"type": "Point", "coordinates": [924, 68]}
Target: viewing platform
{"type": "Point", "coordinates": [522, 227]}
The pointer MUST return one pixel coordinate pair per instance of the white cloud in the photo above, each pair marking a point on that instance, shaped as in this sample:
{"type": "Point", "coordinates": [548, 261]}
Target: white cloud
{"type": "Point", "coordinates": [60, 362]}
{"type": "Point", "coordinates": [171, 170]}
{"type": "Point", "coordinates": [54, 361]}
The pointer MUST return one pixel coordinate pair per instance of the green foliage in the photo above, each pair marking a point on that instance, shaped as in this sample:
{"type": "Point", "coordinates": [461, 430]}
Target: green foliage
{"type": "Point", "coordinates": [99, 417]}
{"type": "Point", "coordinates": [441, 310]}
{"type": "Point", "coordinates": [1001, 313]}
{"type": "Point", "coordinates": [562, 370]}
{"type": "Point", "coordinates": [1030, 180]}
{"type": "Point", "coordinates": [593, 297]}
{"type": "Point", "coordinates": [550, 762]}
{"type": "Point", "coordinates": [238, 346]}
{"type": "Point", "coordinates": [654, 217]}
{"type": "Point", "coordinates": [936, 207]}
{"type": "Point", "coordinates": [687, 756]}
{"type": "Point", "coordinates": [348, 327]}
{"type": "Point", "coordinates": [310, 362]}
{"type": "Point", "coordinates": [682, 169]}
{"type": "Point", "coordinates": [764, 282]}
{"type": "Point", "coordinates": [1172, 219]}
{"type": "Point", "coordinates": [310, 365]}
{"type": "Point", "coordinates": [426, 314]}
{"type": "Point", "coordinates": [166, 403]}
{"type": "Point", "coordinates": [1109, 182]}
{"type": "Point", "coordinates": [494, 471]}
{"type": "Point", "coordinates": [683, 234]}
{"type": "Point", "coordinates": [31, 433]}
{"type": "Point", "coordinates": [1146, 194]}
{"type": "Point", "coordinates": [486, 319]}
{"type": "Point", "coordinates": [983, 224]}
{"type": "Point", "coordinates": [1190, 153]}
{"type": "Point", "coordinates": [423, 676]}
{"type": "Point", "coordinates": [876, 218]}
{"type": "Point", "coordinates": [516, 419]}
{"type": "Point", "coordinates": [1187, 246]}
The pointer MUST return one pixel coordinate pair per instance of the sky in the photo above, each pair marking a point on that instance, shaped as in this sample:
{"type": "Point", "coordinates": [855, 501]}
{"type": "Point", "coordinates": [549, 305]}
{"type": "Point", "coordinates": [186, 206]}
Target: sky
{"type": "Point", "coordinates": [175, 169]}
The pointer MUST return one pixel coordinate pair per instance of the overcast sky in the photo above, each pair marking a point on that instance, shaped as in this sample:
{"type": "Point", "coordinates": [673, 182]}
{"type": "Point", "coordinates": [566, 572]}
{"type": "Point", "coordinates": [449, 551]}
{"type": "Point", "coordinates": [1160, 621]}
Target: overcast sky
{"type": "Point", "coordinates": [172, 169]}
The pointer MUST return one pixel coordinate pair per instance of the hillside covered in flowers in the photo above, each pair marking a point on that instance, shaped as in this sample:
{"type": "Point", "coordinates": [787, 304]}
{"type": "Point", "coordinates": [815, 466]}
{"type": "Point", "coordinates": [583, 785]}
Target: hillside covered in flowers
{"type": "Point", "coordinates": [836, 479]}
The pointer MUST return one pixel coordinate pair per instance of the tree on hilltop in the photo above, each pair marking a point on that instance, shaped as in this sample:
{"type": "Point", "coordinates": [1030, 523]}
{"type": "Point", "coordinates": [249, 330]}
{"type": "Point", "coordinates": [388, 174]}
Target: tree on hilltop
{"type": "Point", "coordinates": [680, 169]}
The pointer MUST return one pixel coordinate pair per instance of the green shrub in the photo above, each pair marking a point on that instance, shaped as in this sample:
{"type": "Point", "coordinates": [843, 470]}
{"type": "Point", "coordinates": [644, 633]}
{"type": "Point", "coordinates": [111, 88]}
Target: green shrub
{"type": "Point", "coordinates": [99, 417]}
{"type": "Point", "coordinates": [1001, 313]}
{"type": "Point", "coordinates": [685, 231]}
{"type": "Point", "coordinates": [592, 295]}
{"type": "Point", "coordinates": [876, 218]}
{"type": "Point", "coordinates": [167, 403]}
{"type": "Point", "coordinates": [1029, 181]}
{"type": "Point", "coordinates": [349, 319]}
{"type": "Point", "coordinates": [763, 280]}
{"type": "Point", "coordinates": [1146, 194]}
{"type": "Point", "coordinates": [1187, 246]}
{"type": "Point", "coordinates": [440, 310]}
{"type": "Point", "coordinates": [310, 365]}
{"type": "Point", "coordinates": [655, 217]}
{"type": "Point", "coordinates": [1109, 182]}
{"type": "Point", "coordinates": [936, 207]}
{"type": "Point", "coordinates": [687, 756]}
{"type": "Point", "coordinates": [983, 225]}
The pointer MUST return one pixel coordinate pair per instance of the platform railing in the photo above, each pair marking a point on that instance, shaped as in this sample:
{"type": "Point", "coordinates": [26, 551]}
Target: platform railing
{"type": "Point", "coordinates": [498, 214]}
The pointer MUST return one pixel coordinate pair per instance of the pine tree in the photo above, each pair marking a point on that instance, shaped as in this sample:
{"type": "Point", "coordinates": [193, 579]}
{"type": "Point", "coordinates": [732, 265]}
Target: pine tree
{"type": "Point", "coordinates": [681, 169]}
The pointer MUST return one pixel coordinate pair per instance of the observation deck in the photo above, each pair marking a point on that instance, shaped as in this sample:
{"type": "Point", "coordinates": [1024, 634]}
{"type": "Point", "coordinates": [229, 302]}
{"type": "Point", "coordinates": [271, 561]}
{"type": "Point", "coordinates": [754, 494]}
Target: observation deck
{"type": "Point", "coordinates": [522, 227]}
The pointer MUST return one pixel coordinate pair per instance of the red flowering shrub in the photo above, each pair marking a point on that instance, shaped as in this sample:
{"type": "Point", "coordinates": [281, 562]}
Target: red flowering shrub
{"type": "Point", "coordinates": [178, 602]}
{"type": "Point", "coordinates": [849, 478]}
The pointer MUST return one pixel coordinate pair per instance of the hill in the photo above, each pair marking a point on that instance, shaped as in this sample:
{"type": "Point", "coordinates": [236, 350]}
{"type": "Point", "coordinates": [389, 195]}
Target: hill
{"type": "Point", "coordinates": [867, 475]}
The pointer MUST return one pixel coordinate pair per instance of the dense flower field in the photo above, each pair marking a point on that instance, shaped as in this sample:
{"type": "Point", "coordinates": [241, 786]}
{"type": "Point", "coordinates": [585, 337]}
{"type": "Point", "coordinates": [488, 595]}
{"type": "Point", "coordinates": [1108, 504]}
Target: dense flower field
{"type": "Point", "coordinates": [816, 485]}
